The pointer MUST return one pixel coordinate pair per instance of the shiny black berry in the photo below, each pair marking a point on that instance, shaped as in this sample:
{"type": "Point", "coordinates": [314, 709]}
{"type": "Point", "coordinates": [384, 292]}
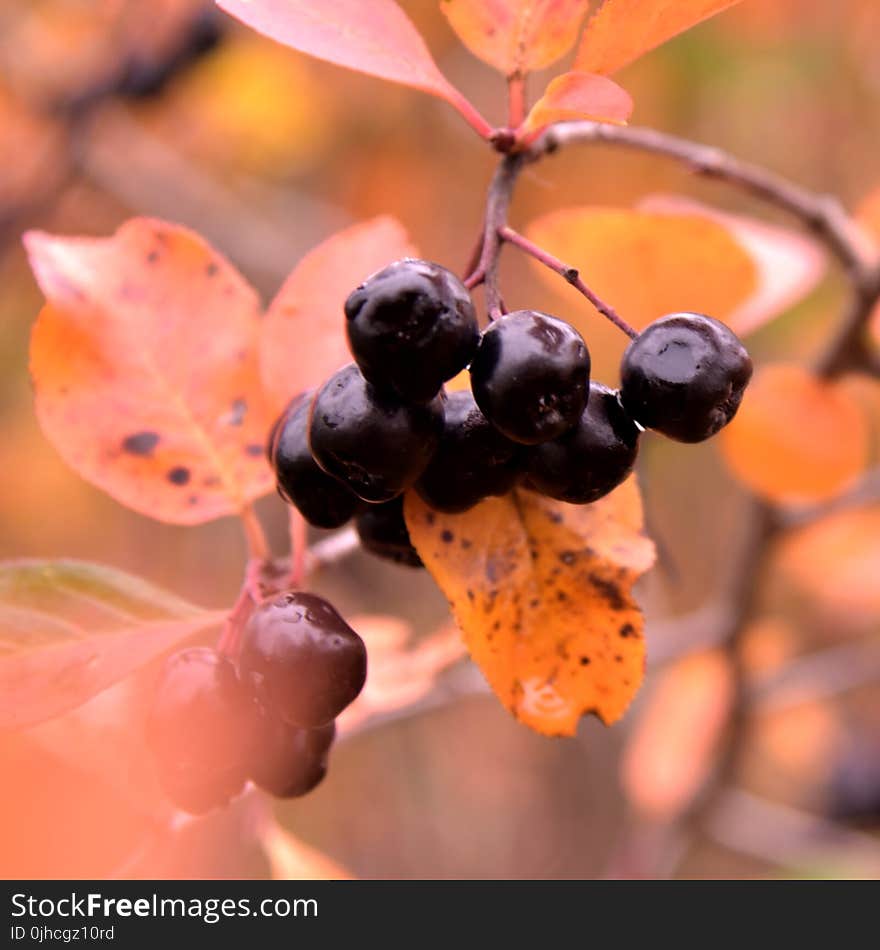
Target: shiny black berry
{"type": "Point", "coordinates": [383, 532]}
{"type": "Point", "coordinates": [302, 660]}
{"type": "Point", "coordinates": [288, 761]}
{"type": "Point", "coordinates": [411, 326]}
{"type": "Point", "coordinates": [199, 729]}
{"type": "Point", "coordinates": [371, 440]}
{"type": "Point", "coordinates": [322, 500]}
{"type": "Point", "coordinates": [684, 376]}
{"type": "Point", "coordinates": [473, 459]}
{"type": "Point", "coordinates": [531, 376]}
{"type": "Point", "coordinates": [592, 458]}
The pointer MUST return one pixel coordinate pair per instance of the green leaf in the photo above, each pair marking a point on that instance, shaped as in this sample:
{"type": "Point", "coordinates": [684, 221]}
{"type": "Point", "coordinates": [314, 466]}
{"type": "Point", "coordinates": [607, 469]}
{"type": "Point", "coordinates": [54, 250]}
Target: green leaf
{"type": "Point", "coordinates": [70, 629]}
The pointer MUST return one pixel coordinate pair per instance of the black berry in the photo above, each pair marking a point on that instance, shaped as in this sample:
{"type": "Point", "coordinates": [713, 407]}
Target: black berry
{"type": "Point", "coordinates": [288, 761]}
{"type": "Point", "coordinates": [370, 440]}
{"type": "Point", "coordinates": [383, 532]}
{"type": "Point", "coordinates": [303, 661]}
{"type": "Point", "coordinates": [473, 459]}
{"type": "Point", "coordinates": [411, 326]}
{"type": "Point", "coordinates": [684, 376]}
{"type": "Point", "coordinates": [592, 458]}
{"type": "Point", "coordinates": [199, 729]}
{"type": "Point", "coordinates": [322, 500]}
{"type": "Point", "coordinates": [531, 376]}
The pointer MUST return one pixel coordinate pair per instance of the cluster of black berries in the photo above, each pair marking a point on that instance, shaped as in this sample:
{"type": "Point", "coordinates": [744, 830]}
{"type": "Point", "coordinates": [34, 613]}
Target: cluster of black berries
{"type": "Point", "coordinates": [384, 424]}
{"type": "Point", "coordinates": [269, 717]}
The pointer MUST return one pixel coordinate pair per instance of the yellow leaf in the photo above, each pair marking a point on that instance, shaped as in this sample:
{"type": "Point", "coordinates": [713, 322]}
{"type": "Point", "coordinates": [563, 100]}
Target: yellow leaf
{"type": "Point", "coordinates": [541, 591]}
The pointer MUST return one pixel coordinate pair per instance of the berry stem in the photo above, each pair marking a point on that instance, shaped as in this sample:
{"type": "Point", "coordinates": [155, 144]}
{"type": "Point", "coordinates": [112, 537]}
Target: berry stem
{"type": "Point", "coordinates": [258, 546]}
{"type": "Point", "coordinates": [497, 204]}
{"type": "Point", "coordinates": [298, 547]}
{"type": "Point", "coordinates": [568, 273]}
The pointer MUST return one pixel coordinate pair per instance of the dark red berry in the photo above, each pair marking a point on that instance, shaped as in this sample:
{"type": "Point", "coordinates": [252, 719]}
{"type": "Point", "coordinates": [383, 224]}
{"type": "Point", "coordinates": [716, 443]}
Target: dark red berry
{"type": "Point", "coordinates": [370, 440]}
{"type": "Point", "coordinates": [383, 532]}
{"type": "Point", "coordinates": [473, 459]}
{"type": "Point", "coordinates": [288, 761]}
{"type": "Point", "coordinates": [684, 376]}
{"type": "Point", "coordinates": [199, 728]}
{"type": "Point", "coordinates": [531, 376]}
{"type": "Point", "coordinates": [303, 661]}
{"type": "Point", "coordinates": [411, 326]}
{"type": "Point", "coordinates": [592, 458]}
{"type": "Point", "coordinates": [322, 500]}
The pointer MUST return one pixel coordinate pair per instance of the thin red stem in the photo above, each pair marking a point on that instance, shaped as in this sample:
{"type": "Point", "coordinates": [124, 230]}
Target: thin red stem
{"type": "Point", "coordinates": [258, 546]}
{"type": "Point", "coordinates": [516, 100]}
{"type": "Point", "coordinates": [568, 273]}
{"type": "Point", "coordinates": [298, 548]}
{"type": "Point", "coordinates": [471, 114]}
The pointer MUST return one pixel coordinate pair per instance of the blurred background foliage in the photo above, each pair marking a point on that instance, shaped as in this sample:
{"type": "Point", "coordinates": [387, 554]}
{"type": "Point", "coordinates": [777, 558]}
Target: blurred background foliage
{"type": "Point", "coordinates": [267, 152]}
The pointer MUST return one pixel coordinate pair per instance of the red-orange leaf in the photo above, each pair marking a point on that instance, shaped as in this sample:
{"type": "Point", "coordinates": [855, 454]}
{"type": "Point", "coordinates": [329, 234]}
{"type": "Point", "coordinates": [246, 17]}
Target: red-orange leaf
{"type": "Point", "coordinates": [376, 38]}
{"type": "Point", "coordinates": [580, 96]}
{"type": "Point", "coordinates": [623, 30]}
{"type": "Point", "coordinates": [144, 363]}
{"type": "Point", "coordinates": [542, 593]}
{"type": "Point", "coordinates": [516, 36]}
{"type": "Point", "coordinates": [303, 334]}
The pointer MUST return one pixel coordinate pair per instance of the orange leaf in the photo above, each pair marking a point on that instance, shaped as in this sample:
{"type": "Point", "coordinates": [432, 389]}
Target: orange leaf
{"type": "Point", "coordinates": [541, 592]}
{"type": "Point", "coordinates": [838, 560]}
{"type": "Point", "coordinates": [144, 363]}
{"type": "Point", "coordinates": [649, 264]}
{"type": "Point", "coordinates": [788, 264]}
{"type": "Point", "coordinates": [376, 38]}
{"type": "Point", "coordinates": [303, 333]}
{"type": "Point", "coordinates": [670, 752]}
{"type": "Point", "coordinates": [580, 96]}
{"type": "Point", "coordinates": [796, 438]}
{"type": "Point", "coordinates": [516, 36]}
{"type": "Point", "coordinates": [623, 30]}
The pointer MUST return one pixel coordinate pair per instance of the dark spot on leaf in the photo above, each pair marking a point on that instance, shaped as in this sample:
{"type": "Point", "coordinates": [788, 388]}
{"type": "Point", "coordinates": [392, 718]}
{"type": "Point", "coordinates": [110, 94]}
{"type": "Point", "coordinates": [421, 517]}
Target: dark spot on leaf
{"type": "Point", "coordinates": [140, 443]}
{"type": "Point", "coordinates": [254, 449]}
{"type": "Point", "coordinates": [447, 536]}
{"type": "Point", "coordinates": [465, 543]}
{"type": "Point", "coordinates": [152, 257]}
{"type": "Point", "coordinates": [237, 412]}
{"type": "Point", "coordinates": [192, 500]}
{"type": "Point", "coordinates": [618, 658]}
{"type": "Point", "coordinates": [584, 661]}
{"type": "Point", "coordinates": [211, 269]}
{"type": "Point", "coordinates": [568, 557]}
{"type": "Point", "coordinates": [627, 630]}
{"type": "Point", "coordinates": [470, 594]}
{"type": "Point", "coordinates": [534, 602]}
{"type": "Point", "coordinates": [609, 591]}
{"type": "Point", "coordinates": [178, 475]}
{"type": "Point", "coordinates": [555, 517]}
{"type": "Point", "coordinates": [496, 625]}
{"type": "Point", "coordinates": [430, 517]}
{"type": "Point", "coordinates": [561, 595]}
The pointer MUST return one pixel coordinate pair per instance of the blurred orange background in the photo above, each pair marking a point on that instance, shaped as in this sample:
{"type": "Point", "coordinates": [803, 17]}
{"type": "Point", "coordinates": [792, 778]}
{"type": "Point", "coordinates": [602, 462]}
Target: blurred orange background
{"type": "Point", "coordinates": [266, 152]}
